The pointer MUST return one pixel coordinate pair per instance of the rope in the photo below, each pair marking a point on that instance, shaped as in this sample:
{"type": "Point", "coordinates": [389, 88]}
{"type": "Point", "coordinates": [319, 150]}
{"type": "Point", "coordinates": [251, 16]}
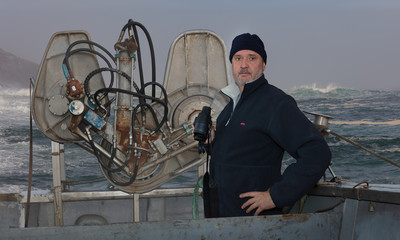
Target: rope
{"type": "Point", "coordinates": [28, 200]}
{"type": "Point", "coordinates": [365, 149]}
{"type": "Point", "coordinates": [366, 186]}
{"type": "Point", "coordinates": [195, 202]}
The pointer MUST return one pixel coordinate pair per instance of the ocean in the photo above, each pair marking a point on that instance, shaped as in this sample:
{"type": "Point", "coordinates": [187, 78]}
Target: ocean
{"type": "Point", "coordinates": [368, 117]}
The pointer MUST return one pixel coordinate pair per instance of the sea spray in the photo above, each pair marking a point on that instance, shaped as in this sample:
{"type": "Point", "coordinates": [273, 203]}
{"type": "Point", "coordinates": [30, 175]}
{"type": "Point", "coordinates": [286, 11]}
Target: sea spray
{"type": "Point", "coordinates": [368, 117]}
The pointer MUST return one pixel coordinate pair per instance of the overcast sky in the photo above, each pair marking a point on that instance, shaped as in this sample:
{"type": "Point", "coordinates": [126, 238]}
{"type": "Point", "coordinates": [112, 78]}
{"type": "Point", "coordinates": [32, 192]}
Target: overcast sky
{"type": "Point", "coordinates": [344, 43]}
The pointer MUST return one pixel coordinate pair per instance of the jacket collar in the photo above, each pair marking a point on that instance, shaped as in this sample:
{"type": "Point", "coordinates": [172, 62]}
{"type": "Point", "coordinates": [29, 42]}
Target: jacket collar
{"type": "Point", "coordinates": [252, 86]}
{"type": "Point", "coordinates": [233, 92]}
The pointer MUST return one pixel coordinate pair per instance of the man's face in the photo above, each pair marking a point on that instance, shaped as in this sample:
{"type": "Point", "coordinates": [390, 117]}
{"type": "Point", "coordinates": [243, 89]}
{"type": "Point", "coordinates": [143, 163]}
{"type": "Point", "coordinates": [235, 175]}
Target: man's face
{"type": "Point", "coordinates": [247, 66]}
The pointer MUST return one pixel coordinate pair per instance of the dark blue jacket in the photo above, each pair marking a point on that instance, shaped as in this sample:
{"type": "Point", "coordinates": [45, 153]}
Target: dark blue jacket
{"type": "Point", "coordinates": [247, 152]}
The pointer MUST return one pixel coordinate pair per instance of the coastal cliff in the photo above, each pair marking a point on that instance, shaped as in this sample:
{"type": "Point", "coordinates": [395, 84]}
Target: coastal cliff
{"type": "Point", "coordinates": [15, 71]}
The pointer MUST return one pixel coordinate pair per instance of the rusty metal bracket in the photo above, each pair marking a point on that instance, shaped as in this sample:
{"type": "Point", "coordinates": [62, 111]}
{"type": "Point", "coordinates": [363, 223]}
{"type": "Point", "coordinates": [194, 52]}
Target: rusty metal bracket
{"type": "Point", "coordinates": [129, 45]}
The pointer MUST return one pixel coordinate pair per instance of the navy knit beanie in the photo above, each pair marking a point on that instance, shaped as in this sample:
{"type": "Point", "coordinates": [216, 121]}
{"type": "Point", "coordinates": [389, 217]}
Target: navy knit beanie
{"type": "Point", "coordinates": [247, 41]}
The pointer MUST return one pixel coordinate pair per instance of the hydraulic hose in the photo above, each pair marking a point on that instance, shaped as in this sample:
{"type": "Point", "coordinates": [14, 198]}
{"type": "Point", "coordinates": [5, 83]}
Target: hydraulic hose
{"type": "Point", "coordinates": [66, 62]}
{"type": "Point", "coordinates": [68, 53]}
{"type": "Point", "coordinates": [139, 95]}
{"type": "Point", "coordinates": [113, 170]}
{"type": "Point", "coordinates": [97, 154]}
{"type": "Point", "coordinates": [132, 25]}
{"type": "Point", "coordinates": [153, 98]}
{"type": "Point", "coordinates": [97, 71]}
{"type": "Point", "coordinates": [131, 178]}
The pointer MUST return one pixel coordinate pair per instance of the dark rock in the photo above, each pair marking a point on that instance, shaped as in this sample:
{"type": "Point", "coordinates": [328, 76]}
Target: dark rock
{"type": "Point", "coordinates": [15, 72]}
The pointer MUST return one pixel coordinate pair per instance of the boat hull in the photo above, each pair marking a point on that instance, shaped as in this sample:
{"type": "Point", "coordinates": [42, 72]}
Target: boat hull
{"type": "Point", "coordinates": [330, 211]}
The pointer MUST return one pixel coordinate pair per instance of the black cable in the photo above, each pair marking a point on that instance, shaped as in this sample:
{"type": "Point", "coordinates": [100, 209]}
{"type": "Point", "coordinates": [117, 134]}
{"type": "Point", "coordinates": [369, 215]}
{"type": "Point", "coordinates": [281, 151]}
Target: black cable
{"type": "Point", "coordinates": [68, 52]}
{"type": "Point", "coordinates": [66, 62]}
{"type": "Point", "coordinates": [111, 171]}
{"type": "Point", "coordinates": [97, 71]}
{"type": "Point", "coordinates": [142, 107]}
{"type": "Point", "coordinates": [115, 174]}
{"type": "Point", "coordinates": [163, 103]}
{"type": "Point", "coordinates": [131, 179]}
{"type": "Point", "coordinates": [132, 24]}
{"type": "Point", "coordinates": [96, 153]}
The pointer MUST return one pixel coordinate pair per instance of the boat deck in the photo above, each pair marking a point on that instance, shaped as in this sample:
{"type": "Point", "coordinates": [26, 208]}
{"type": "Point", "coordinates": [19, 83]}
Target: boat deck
{"type": "Point", "coordinates": [331, 211]}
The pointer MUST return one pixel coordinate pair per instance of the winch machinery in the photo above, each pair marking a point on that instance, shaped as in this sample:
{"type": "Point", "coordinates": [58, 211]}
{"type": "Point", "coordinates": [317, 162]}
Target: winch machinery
{"type": "Point", "coordinates": [140, 131]}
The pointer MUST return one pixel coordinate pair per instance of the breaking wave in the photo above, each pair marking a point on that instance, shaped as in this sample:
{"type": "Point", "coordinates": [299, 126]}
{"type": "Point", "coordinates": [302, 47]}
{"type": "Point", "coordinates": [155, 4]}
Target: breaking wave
{"type": "Point", "coordinates": [15, 92]}
{"type": "Point", "coordinates": [14, 101]}
{"type": "Point", "coordinates": [333, 91]}
{"type": "Point", "coordinates": [368, 117]}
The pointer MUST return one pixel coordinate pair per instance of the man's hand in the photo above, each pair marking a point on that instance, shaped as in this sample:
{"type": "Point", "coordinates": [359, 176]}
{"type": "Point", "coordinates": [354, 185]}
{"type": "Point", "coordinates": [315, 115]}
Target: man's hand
{"type": "Point", "coordinates": [258, 200]}
{"type": "Point", "coordinates": [211, 136]}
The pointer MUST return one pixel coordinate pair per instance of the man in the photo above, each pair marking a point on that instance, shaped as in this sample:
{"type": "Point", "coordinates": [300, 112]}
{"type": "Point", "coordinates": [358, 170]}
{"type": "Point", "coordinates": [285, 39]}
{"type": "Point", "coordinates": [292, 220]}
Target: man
{"type": "Point", "coordinates": [252, 133]}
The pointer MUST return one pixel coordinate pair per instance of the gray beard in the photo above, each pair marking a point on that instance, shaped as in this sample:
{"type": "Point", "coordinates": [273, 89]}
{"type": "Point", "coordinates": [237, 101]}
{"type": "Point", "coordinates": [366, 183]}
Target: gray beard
{"type": "Point", "coordinates": [239, 82]}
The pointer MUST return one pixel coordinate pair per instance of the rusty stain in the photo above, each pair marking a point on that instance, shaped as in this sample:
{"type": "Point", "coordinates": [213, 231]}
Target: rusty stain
{"type": "Point", "coordinates": [123, 132]}
{"type": "Point", "coordinates": [74, 88]}
{"type": "Point", "coordinates": [75, 121]}
{"type": "Point", "coordinates": [127, 59]}
{"type": "Point", "coordinates": [129, 44]}
{"type": "Point", "coordinates": [123, 127]}
{"type": "Point", "coordinates": [144, 154]}
{"type": "Point", "coordinates": [300, 217]}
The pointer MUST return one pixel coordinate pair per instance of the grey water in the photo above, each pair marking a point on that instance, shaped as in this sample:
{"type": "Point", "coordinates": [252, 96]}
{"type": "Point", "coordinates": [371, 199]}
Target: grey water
{"type": "Point", "coordinates": [368, 117]}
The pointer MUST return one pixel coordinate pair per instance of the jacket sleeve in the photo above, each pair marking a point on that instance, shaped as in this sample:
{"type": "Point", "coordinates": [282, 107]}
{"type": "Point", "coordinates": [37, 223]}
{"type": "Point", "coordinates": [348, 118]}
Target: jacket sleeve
{"type": "Point", "coordinates": [292, 130]}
